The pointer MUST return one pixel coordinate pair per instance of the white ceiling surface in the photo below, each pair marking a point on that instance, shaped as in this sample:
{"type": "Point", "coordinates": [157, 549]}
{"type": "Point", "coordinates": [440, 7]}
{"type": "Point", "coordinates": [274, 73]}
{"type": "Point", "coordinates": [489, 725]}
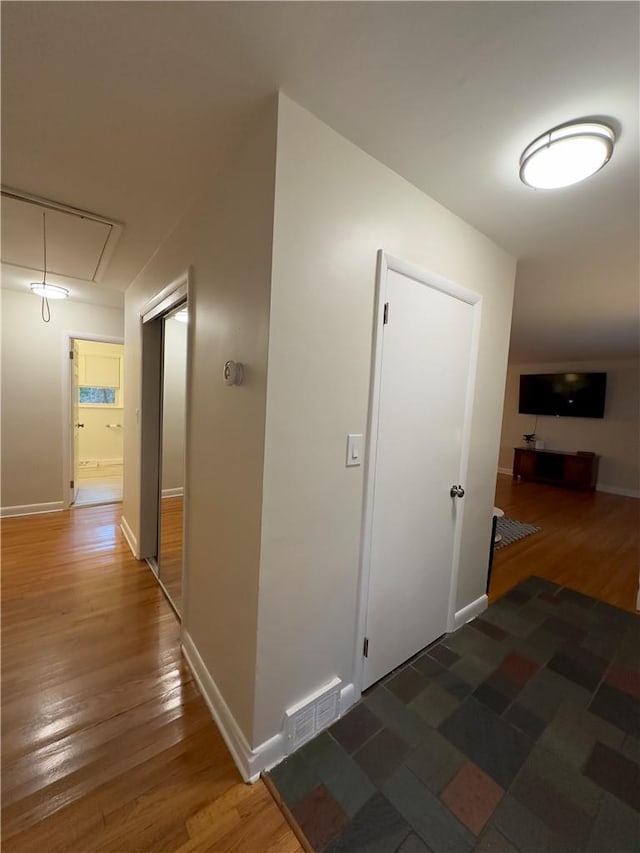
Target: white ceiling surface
{"type": "Point", "coordinates": [128, 109]}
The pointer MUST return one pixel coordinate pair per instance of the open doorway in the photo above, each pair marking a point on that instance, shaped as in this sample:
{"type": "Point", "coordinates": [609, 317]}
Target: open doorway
{"type": "Point", "coordinates": [96, 421]}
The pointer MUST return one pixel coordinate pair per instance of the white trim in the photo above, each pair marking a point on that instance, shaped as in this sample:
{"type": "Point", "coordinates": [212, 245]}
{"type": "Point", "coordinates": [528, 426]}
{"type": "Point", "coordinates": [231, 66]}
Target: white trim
{"type": "Point", "coordinates": [250, 762]}
{"type": "Point", "coordinates": [67, 397]}
{"type": "Point", "coordinates": [469, 612]}
{"type": "Point", "coordinates": [31, 509]}
{"type": "Point", "coordinates": [508, 471]}
{"type": "Point", "coordinates": [386, 262]}
{"type": "Point", "coordinates": [99, 463]}
{"type": "Point", "coordinates": [615, 490]}
{"type": "Point", "coordinates": [170, 296]}
{"type": "Point", "coordinates": [173, 493]}
{"type": "Point", "coordinates": [130, 536]}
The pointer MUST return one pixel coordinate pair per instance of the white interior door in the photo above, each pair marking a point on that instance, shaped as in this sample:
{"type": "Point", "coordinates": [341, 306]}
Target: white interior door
{"type": "Point", "coordinates": [424, 373]}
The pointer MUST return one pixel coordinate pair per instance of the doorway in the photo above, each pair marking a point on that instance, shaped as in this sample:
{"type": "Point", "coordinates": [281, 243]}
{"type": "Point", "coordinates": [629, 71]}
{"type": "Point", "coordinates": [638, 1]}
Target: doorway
{"type": "Point", "coordinates": [96, 423]}
{"type": "Point", "coordinates": [423, 381]}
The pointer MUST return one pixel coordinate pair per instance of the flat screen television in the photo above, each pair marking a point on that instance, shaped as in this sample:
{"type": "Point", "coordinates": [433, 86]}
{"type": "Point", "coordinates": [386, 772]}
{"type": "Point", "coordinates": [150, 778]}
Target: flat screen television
{"type": "Point", "coordinates": [576, 395]}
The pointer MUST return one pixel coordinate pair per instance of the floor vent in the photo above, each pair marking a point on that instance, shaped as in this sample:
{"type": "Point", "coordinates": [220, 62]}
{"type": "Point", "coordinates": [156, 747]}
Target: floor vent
{"type": "Point", "coordinates": [312, 714]}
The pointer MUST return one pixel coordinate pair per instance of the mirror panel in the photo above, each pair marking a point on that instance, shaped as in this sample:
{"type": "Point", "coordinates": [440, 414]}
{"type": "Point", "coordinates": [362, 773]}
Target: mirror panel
{"type": "Point", "coordinates": [172, 461]}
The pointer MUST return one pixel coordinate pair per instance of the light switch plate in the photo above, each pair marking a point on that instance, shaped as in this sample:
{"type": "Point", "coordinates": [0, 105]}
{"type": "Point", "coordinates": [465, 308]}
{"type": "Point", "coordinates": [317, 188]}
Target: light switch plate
{"type": "Point", "coordinates": [355, 449]}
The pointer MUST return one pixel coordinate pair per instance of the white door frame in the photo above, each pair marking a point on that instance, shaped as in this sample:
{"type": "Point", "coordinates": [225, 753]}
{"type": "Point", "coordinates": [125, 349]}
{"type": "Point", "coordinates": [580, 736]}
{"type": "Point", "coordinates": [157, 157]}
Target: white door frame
{"type": "Point", "coordinates": [67, 405]}
{"type": "Point", "coordinates": [387, 262]}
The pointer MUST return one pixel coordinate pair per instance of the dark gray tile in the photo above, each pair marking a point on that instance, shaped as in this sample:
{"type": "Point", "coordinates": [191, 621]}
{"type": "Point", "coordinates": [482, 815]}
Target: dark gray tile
{"type": "Point", "coordinates": [582, 666]}
{"type": "Point", "coordinates": [434, 705]}
{"type": "Point", "coordinates": [452, 683]}
{"type": "Point", "coordinates": [343, 777]}
{"type": "Point", "coordinates": [559, 775]}
{"type": "Point", "coordinates": [520, 826]}
{"type": "Point", "coordinates": [547, 690]}
{"type": "Point", "coordinates": [616, 774]}
{"type": "Point", "coordinates": [564, 630]}
{"type": "Point", "coordinates": [525, 721]}
{"type": "Point", "coordinates": [435, 762]}
{"type": "Point", "coordinates": [493, 744]}
{"type": "Point", "coordinates": [414, 844]}
{"type": "Point", "coordinates": [562, 816]}
{"type": "Point", "coordinates": [491, 697]}
{"type": "Point", "coordinates": [616, 828]}
{"type": "Point", "coordinates": [319, 817]}
{"type": "Point", "coordinates": [572, 596]}
{"type": "Point", "coordinates": [493, 841]}
{"type": "Point", "coordinates": [472, 669]}
{"type": "Point", "coordinates": [376, 828]}
{"type": "Point", "coordinates": [356, 727]}
{"type": "Point", "coordinates": [618, 708]}
{"type": "Point", "coordinates": [381, 755]}
{"type": "Point", "coordinates": [510, 620]}
{"type": "Point", "coordinates": [603, 641]}
{"type": "Point", "coordinates": [294, 779]}
{"type": "Point", "coordinates": [434, 823]}
{"type": "Point", "coordinates": [427, 665]}
{"type": "Point", "coordinates": [535, 585]}
{"type": "Point", "coordinates": [574, 731]}
{"type": "Point", "coordinates": [488, 629]}
{"type": "Point", "coordinates": [442, 654]}
{"type": "Point", "coordinates": [406, 684]}
{"type": "Point", "coordinates": [630, 748]}
{"type": "Point", "coordinates": [397, 716]}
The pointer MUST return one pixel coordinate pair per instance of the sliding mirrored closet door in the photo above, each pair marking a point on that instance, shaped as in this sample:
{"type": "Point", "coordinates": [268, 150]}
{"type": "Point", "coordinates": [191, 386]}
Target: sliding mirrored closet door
{"type": "Point", "coordinates": [172, 453]}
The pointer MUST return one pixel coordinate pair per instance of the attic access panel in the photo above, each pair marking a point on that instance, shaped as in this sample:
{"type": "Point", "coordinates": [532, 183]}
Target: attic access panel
{"type": "Point", "coordinates": [79, 244]}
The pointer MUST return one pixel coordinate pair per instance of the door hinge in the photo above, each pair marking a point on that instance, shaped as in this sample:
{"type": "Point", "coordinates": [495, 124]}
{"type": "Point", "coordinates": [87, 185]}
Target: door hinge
{"type": "Point", "coordinates": [71, 354]}
{"type": "Point", "coordinates": [71, 484]}
{"type": "Point", "coordinates": [385, 319]}
{"type": "Point", "coordinates": [365, 648]}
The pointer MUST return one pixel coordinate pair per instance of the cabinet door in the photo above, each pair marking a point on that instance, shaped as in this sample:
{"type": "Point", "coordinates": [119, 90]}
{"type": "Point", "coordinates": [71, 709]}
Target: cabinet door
{"type": "Point", "coordinates": [577, 471]}
{"type": "Point", "coordinates": [526, 463]}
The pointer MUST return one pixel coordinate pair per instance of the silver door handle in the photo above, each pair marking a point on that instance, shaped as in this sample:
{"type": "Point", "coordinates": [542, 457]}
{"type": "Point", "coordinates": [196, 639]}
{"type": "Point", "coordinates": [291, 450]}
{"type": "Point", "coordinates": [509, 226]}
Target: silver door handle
{"type": "Point", "coordinates": [456, 491]}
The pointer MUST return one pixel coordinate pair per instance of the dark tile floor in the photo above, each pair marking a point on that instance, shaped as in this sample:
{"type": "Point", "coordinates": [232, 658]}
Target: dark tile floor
{"type": "Point", "coordinates": [519, 733]}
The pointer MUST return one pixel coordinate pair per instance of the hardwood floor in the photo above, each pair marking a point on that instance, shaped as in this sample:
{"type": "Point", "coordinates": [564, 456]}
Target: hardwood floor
{"type": "Point", "coordinates": [589, 541]}
{"type": "Point", "coordinates": [106, 743]}
{"type": "Point", "coordinates": [171, 548]}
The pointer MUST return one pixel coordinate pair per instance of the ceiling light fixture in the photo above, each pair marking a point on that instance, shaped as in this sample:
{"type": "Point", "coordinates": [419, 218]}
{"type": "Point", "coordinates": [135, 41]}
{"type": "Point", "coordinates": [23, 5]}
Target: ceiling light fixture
{"type": "Point", "coordinates": [41, 288]}
{"type": "Point", "coordinates": [567, 154]}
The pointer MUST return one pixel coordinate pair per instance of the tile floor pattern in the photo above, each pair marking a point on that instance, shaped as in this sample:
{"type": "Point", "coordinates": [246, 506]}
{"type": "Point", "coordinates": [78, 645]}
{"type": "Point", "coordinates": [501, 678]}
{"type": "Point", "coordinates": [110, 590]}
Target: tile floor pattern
{"type": "Point", "coordinates": [519, 733]}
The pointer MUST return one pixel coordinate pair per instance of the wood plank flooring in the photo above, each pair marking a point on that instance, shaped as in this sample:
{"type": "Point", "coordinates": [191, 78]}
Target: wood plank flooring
{"type": "Point", "coordinates": [589, 541]}
{"type": "Point", "coordinates": [106, 743]}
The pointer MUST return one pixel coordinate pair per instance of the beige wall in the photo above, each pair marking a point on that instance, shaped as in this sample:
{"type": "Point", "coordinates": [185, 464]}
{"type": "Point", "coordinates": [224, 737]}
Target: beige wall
{"type": "Point", "coordinates": [174, 399]}
{"type": "Point", "coordinates": [225, 240]}
{"type": "Point", "coordinates": [98, 441]}
{"type": "Point", "coordinates": [335, 207]}
{"type": "Point", "coordinates": [616, 437]}
{"type": "Point", "coordinates": [32, 386]}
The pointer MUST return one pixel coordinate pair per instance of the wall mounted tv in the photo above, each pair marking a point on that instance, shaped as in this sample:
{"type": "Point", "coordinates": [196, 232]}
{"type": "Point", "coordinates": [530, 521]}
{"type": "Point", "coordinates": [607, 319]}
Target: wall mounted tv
{"type": "Point", "coordinates": [576, 395]}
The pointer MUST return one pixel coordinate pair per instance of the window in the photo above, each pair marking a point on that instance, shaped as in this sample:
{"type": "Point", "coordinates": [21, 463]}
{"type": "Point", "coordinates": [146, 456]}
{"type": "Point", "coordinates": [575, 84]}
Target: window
{"type": "Point", "coordinates": [92, 395]}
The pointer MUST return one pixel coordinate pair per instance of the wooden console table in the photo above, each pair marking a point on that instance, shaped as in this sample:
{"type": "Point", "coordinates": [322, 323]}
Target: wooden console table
{"type": "Point", "coordinates": [556, 467]}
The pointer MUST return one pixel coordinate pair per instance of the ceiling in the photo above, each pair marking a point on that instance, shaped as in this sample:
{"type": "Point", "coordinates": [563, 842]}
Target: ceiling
{"type": "Point", "coordinates": [128, 109]}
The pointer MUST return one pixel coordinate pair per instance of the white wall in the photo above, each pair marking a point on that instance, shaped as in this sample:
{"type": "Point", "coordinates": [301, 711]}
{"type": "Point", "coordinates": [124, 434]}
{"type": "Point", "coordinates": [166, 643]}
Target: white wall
{"type": "Point", "coordinates": [335, 207]}
{"type": "Point", "coordinates": [615, 438]}
{"type": "Point", "coordinates": [225, 240]}
{"type": "Point", "coordinates": [32, 383]}
{"type": "Point", "coordinates": [174, 399]}
{"type": "Point", "coordinates": [99, 440]}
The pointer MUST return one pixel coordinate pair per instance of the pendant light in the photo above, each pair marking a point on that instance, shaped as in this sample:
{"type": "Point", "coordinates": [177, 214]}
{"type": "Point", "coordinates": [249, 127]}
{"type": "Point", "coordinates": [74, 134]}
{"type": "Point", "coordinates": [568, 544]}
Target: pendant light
{"type": "Point", "coordinates": [41, 288]}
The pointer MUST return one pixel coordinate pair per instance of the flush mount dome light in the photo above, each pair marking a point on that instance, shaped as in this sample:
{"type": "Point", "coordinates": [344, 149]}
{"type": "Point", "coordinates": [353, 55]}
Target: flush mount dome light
{"type": "Point", "coordinates": [566, 155]}
{"type": "Point", "coordinates": [49, 291]}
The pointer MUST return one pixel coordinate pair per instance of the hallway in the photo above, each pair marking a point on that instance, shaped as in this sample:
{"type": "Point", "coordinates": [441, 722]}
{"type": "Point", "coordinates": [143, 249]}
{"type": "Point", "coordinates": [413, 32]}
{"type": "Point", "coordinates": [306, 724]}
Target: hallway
{"type": "Point", "coordinates": [106, 742]}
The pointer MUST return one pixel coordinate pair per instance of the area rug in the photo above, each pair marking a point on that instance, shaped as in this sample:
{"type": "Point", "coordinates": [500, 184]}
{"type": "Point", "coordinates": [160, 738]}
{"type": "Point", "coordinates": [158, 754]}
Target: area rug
{"type": "Point", "coordinates": [518, 733]}
{"type": "Point", "coordinates": [511, 530]}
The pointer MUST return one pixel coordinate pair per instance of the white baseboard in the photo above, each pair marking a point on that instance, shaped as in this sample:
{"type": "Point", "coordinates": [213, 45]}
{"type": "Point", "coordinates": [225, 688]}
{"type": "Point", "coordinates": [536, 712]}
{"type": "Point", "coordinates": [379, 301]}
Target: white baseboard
{"type": "Point", "coordinates": [614, 490]}
{"type": "Point", "coordinates": [31, 509]}
{"type": "Point", "coordinates": [250, 762]}
{"type": "Point", "coordinates": [173, 493]}
{"type": "Point", "coordinates": [129, 535]}
{"type": "Point", "coordinates": [469, 612]}
{"type": "Point", "coordinates": [98, 463]}
{"type": "Point", "coordinates": [508, 471]}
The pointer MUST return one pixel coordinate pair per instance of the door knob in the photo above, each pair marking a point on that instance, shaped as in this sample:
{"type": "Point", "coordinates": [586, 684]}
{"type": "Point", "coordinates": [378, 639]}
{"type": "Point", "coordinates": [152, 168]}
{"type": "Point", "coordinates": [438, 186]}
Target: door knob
{"type": "Point", "coordinates": [80, 426]}
{"type": "Point", "coordinates": [456, 491]}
